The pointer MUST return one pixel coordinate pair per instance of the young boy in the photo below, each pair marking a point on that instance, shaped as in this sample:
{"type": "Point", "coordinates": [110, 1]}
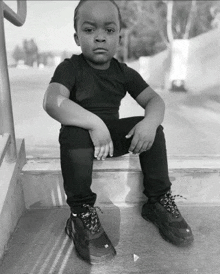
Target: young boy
{"type": "Point", "coordinates": [84, 96]}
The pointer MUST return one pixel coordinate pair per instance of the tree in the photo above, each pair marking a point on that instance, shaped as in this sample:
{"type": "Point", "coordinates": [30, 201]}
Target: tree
{"type": "Point", "coordinates": [215, 13]}
{"type": "Point", "coordinates": [187, 19]}
{"type": "Point", "coordinates": [31, 52]}
{"type": "Point", "coordinates": [149, 26]}
{"type": "Point", "coordinates": [45, 57]}
{"type": "Point", "coordinates": [179, 26]}
{"type": "Point", "coordinates": [141, 33]}
{"type": "Point", "coordinates": [18, 54]}
{"type": "Point", "coordinates": [184, 20]}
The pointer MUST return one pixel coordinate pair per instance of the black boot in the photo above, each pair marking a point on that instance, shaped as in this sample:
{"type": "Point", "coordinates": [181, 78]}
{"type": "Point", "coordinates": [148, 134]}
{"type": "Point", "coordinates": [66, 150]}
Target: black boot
{"type": "Point", "coordinates": [89, 237]}
{"type": "Point", "coordinates": [163, 213]}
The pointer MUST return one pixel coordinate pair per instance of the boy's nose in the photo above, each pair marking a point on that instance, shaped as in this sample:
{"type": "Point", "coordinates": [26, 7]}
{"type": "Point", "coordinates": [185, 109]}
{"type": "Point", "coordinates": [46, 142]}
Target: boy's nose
{"type": "Point", "coordinates": [100, 37]}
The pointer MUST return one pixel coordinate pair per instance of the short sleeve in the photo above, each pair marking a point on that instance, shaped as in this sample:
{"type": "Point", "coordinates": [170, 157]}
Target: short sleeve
{"type": "Point", "coordinates": [65, 74]}
{"type": "Point", "coordinates": [134, 83]}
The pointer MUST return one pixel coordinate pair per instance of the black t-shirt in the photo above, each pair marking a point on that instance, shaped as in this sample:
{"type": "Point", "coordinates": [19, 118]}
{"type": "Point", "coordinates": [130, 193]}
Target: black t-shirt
{"type": "Point", "coordinates": [99, 91]}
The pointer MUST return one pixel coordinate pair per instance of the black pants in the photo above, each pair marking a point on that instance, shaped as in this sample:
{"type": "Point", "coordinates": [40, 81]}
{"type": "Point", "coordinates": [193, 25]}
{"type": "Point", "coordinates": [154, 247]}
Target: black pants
{"type": "Point", "coordinates": [77, 155]}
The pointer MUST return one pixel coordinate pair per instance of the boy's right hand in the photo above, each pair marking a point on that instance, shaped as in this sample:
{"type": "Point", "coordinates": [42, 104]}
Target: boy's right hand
{"type": "Point", "coordinates": [102, 141]}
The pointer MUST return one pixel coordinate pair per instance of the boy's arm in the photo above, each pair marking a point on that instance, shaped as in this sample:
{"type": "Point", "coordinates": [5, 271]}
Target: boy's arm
{"type": "Point", "coordinates": [144, 132]}
{"type": "Point", "coordinates": [58, 105]}
{"type": "Point", "coordinates": [154, 106]}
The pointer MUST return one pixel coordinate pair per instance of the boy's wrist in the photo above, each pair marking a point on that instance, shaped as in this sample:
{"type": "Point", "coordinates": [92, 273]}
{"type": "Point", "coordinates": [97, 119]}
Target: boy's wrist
{"type": "Point", "coordinates": [95, 122]}
{"type": "Point", "coordinates": [154, 123]}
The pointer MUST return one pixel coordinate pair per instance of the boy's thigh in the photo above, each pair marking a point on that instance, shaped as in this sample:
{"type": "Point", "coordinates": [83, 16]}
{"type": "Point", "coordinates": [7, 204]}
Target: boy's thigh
{"type": "Point", "coordinates": [76, 137]}
{"type": "Point", "coordinates": [118, 130]}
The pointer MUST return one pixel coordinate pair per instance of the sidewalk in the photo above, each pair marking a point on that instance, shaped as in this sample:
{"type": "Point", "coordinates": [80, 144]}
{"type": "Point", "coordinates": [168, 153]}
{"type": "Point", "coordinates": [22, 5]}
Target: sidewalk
{"type": "Point", "coordinates": [39, 245]}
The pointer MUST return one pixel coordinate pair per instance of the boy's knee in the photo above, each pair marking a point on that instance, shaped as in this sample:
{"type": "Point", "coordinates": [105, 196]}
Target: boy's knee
{"type": "Point", "coordinates": [75, 137]}
{"type": "Point", "coordinates": [160, 128]}
{"type": "Point", "coordinates": [159, 133]}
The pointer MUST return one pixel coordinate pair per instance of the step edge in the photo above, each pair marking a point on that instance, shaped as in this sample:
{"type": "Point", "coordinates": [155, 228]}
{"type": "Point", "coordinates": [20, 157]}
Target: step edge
{"type": "Point", "coordinates": [171, 170]}
{"type": "Point", "coordinates": [125, 163]}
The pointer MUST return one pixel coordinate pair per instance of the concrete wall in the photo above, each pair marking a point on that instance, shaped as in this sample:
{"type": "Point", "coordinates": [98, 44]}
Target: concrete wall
{"type": "Point", "coordinates": [204, 61]}
{"type": "Point", "coordinates": [203, 68]}
{"type": "Point", "coordinates": [155, 69]}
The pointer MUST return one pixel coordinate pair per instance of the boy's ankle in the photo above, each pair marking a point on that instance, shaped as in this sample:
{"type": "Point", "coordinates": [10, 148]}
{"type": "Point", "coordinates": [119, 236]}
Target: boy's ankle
{"type": "Point", "coordinates": [79, 209]}
{"type": "Point", "coordinates": [156, 198]}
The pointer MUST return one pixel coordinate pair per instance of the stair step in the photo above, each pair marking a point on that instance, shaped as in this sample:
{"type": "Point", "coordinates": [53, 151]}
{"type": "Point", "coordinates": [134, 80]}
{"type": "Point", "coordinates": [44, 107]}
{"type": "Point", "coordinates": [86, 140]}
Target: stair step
{"type": "Point", "coordinates": [119, 181]}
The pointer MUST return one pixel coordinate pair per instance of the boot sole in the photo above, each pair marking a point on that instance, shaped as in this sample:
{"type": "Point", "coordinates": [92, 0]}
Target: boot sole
{"type": "Point", "coordinates": [169, 237]}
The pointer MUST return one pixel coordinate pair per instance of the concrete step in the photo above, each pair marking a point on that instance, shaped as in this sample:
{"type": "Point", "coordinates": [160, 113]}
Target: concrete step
{"type": "Point", "coordinates": [40, 246]}
{"type": "Point", "coordinates": [12, 203]}
{"type": "Point", "coordinates": [119, 181]}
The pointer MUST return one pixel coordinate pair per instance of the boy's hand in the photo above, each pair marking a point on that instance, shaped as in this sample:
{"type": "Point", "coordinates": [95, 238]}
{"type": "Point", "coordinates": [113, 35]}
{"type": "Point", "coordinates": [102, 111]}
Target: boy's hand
{"type": "Point", "coordinates": [143, 137]}
{"type": "Point", "coordinates": [102, 141]}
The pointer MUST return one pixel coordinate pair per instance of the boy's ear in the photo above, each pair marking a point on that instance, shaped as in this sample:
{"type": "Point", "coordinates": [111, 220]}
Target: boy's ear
{"type": "Point", "coordinates": [76, 39]}
{"type": "Point", "coordinates": [119, 39]}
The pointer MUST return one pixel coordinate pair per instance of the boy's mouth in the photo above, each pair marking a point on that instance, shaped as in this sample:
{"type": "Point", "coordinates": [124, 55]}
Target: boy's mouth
{"type": "Point", "coordinates": [100, 50]}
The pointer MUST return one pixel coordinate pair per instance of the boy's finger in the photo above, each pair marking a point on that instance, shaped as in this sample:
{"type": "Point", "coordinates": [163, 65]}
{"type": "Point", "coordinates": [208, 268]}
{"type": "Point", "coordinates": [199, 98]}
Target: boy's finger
{"type": "Point", "coordinates": [149, 145]}
{"type": "Point", "coordinates": [111, 149]}
{"type": "Point", "coordinates": [105, 152]}
{"type": "Point", "coordinates": [138, 147]}
{"type": "Point", "coordinates": [101, 152]}
{"type": "Point", "coordinates": [97, 150]}
{"type": "Point", "coordinates": [130, 133]}
{"type": "Point", "coordinates": [144, 147]}
{"type": "Point", "coordinates": [133, 145]}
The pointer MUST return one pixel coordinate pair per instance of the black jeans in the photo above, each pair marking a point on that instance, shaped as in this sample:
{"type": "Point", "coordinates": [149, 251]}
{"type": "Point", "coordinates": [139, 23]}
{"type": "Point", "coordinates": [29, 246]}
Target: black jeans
{"type": "Point", "coordinates": [77, 155]}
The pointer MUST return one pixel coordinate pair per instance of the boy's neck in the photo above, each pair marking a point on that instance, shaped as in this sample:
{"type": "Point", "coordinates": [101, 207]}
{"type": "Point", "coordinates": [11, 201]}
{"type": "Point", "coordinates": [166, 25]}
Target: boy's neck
{"type": "Point", "coordinates": [98, 66]}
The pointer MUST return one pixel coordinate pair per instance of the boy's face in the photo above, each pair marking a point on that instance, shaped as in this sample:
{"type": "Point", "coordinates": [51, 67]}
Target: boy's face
{"type": "Point", "coordinates": [98, 32]}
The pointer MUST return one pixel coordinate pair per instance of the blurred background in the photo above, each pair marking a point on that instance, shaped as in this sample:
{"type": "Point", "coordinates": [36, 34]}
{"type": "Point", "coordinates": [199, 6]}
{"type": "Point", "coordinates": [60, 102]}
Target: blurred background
{"type": "Point", "coordinates": [175, 45]}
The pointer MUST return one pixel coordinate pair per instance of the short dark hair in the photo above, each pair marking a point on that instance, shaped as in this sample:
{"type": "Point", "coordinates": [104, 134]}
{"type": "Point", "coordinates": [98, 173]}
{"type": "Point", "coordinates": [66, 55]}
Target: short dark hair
{"type": "Point", "coordinates": [81, 2]}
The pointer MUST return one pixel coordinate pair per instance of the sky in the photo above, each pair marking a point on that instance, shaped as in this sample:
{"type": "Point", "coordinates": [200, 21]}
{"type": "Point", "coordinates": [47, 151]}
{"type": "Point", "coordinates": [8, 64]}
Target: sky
{"type": "Point", "coordinates": [49, 23]}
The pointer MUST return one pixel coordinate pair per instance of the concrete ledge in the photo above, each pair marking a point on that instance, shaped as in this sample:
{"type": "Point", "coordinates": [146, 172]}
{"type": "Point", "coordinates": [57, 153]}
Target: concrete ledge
{"type": "Point", "coordinates": [127, 162]}
{"type": "Point", "coordinates": [119, 181]}
{"type": "Point", "coordinates": [11, 195]}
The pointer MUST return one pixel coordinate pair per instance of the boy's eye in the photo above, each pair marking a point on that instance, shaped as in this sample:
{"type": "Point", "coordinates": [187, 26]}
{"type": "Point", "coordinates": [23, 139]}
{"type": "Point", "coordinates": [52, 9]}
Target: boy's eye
{"type": "Point", "coordinates": [110, 30]}
{"type": "Point", "coordinates": [89, 30]}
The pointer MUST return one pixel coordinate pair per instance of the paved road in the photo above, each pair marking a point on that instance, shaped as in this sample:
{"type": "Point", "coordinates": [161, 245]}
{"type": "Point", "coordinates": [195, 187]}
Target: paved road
{"type": "Point", "coordinates": [191, 122]}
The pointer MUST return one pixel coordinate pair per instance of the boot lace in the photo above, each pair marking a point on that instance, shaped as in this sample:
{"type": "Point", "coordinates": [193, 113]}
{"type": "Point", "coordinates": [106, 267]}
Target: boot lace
{"type": "Point", "coordinates": [90, 219]}
{"type": "Point", "coordinates": [168, 201]}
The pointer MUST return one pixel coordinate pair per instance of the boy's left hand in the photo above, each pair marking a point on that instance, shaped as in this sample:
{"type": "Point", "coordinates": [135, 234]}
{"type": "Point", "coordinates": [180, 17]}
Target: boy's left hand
{"type": "Point", "coordinates": [143, 137]}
